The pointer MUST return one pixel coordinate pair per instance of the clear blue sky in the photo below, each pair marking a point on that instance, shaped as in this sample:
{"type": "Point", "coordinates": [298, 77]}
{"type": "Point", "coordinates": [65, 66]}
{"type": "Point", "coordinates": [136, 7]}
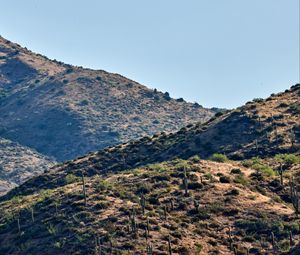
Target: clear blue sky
{"type": "Point", "coordinates": [216, 52]}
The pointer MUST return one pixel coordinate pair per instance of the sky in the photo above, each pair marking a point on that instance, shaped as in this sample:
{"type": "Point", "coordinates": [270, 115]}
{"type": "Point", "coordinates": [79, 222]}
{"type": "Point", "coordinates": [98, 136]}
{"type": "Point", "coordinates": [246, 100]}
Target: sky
{"type": "Point", "coordinates": [219, 53]}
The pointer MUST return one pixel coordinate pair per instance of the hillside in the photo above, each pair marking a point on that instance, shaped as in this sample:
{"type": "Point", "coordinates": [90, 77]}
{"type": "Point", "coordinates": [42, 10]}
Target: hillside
{"type": "Point", "coordinates": [261, 128]}
{"type": "Point", "coordinates": [176, 207]}
{"type": "Point", "coordinates": [19, 163]}
{"type": "Point", "coordinates": [64, 111]}
{"type": "Point", "coordinates": [116, 202]}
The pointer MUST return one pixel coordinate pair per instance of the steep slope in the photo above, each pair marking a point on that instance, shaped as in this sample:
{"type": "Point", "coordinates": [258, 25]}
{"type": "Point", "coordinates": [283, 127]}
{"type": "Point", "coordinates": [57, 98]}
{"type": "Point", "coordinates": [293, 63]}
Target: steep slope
{"type": "Point", "coordinates": [182, 206]}
{"type": "Point", "coordinates": [65, 111]}
{"type": "Point", "coordinates": [19, 163]}
{"type": "Point", "coordinates": [261, 128]}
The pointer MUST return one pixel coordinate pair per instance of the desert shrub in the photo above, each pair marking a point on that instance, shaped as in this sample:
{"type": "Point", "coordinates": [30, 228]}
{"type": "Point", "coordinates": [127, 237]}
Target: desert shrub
{"type": "Point", "coordinates": [71, 178]}
{"type": "Point", "coordinates": [258, 165]}
{"type": "Point", "coordinates": [257, 100]}
{"type": "Point", "coordinates": [288, 159]}
{"type": "Point", "coordinates": [195, 185]}
{"type": "Point", "coordinates": [103, 186]}
{"type": "Point", "coordinates": [195, 159]}
{"type": "Point", "coordinates": [240, 179]}
{"type": "Point", "coordinates": [218, 114]}
{"type": "Point", "coordinates": [295, 108]}
{"type": "Point", "coordinates": [260, 226]}
{"type": "Point", "coordinates": [284, 245]}
{"type": "Point", "coordinates": [224, 179]}
{"type": "Point", "coordinates": [233, 192]}
{"type": "Point", "coordinates": [235, 171]}
{"type": "Point", "coordinates": [143, 188]}
{"type": "Point", "coordinates": [217, 157]}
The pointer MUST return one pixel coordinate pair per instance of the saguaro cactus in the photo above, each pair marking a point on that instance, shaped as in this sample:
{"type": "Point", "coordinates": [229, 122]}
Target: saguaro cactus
{"type": "Point", "coordinates": [169, 245]}
{"type": "Point", "coordinates": [19, 227]}
{"type": "Point", "coordinates": [294, 195]}
{"type": "Point", "coordinates": [185, 182]}
{"type": "Point", "coordinates": [32, 215]}
{"type": "Point", "coordinates": [83, 188]}
{"type": "Point", "coordinates": [143, 203]}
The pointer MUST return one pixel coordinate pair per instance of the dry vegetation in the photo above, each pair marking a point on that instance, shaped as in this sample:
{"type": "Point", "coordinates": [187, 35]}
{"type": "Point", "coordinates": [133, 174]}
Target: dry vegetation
{"type": "Point", "coordinates": [65, 111]}
{"type": "Point", "coordinates": [155, 195]}
{"type": "Point", "coordinates": [19, 163]}
{"type": "Point", "coordinates": [181, 206]}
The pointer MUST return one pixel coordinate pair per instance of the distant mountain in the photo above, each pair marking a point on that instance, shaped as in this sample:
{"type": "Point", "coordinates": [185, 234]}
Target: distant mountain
{"type": "Point", "coordinates": [19, 163]}
{"type": "Point", "coordinates": [63, 111]}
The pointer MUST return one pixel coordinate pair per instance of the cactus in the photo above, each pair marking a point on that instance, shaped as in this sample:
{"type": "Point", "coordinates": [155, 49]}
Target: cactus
{"type": "Point", "coordinates": [294, 196]}
{"type": "Point", "coordinates": [19, 227]}
{"type": "Point", "coordinates": [165, 212]}
{"type": "Point", "coordinates": [149, 249]}
{"type": "Point", "coordinates": [96, 246]}
{"type": "Point", "coordinates": [196, 205]}
{"type": "Point", "coordinates": [273, 242]}
{"type": "Point", "coordinates": [185, 183]}
{"type": "Point", "coordinates": [146, 234]}
{"type": "Point", "coordinates": [133, 222]}
{"type": "Point", "coordinates": [291, 238]}
{"type": "Point", "coordinates": [56, 209]}
{"type": "Point", "coordinates": [256, 145]}
{"type": "Point", "coordinates": [148, 226]}
{"type": "Point", "coordinates": [169, 245]}
{"type": "Point", "coordinates": [293, 138]}
{"type": "Point", "coordinates": [171, 204]}
{"type": "Point", "coordinates": [280, 171]}
{"type": "Point", "coordinates": [32, 215]}
{"type": "Point", "coordinates": [234, 251]}
{"type": "Point", "coordinates": [83, 188]}
{"type": "Point", "coordinates": [143, 203]}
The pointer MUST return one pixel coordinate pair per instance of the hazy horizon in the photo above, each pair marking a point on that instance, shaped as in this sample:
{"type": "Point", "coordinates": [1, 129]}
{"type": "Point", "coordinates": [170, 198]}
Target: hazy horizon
{"type": "Point", "coordinates": [218, 54]}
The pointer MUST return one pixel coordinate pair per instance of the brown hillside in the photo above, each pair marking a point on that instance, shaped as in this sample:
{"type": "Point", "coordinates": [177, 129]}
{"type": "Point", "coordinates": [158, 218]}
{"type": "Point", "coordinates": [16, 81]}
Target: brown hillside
{"type": "Point", "coordinates": [19, 163]}
{"type": "Point", "coordinates": [226, 209]}
{"type": "Point", "coordinates": [65, 111]}
{"type": "Point", "coordinates": [262, 128]}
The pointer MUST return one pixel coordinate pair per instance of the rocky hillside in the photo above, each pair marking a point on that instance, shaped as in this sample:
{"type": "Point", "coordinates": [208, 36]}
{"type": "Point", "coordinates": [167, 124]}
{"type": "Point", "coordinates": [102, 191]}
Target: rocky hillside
{"type": "Point", "coordinates": [177, 207]}
{"type": "Point", "coordinates": [120, 200]}
{"type": "Point", "coordinates": [260, 128]}
{"type": "Point", "coordinates": [19, 163]}
{"type": "Point", "coordinates": [65, 111]}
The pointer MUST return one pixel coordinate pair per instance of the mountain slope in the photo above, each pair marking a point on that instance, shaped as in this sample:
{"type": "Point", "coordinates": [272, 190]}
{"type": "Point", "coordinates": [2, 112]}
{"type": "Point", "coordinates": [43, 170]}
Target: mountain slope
{"type": "Point", "coordinates": [65, 111]}
{"type": "Point", "coordinates": [226, 208]}
{"type": "Point", "coordinates": [123, 204]}
{"type": "Point", "coordinates": [262, 128]}
{"type": "Point", "coordinates": [19, 163]}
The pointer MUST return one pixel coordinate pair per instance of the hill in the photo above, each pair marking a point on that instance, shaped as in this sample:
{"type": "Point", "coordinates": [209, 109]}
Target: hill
{"type": "Point", "coordinates": [260, 128]}
{"type": "Point", "coordinates": [19, 163]}
{"type": "Point", "coordinates": [155, 195]}
{"type": "Point", "coordinates": [64, 111]}
{"type": "Point", "coordinates": [176, 207]}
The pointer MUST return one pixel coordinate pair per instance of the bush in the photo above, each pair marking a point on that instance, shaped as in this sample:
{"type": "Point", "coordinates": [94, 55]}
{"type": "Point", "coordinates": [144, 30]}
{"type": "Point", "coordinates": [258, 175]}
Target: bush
{"type": "Point", "coordinates": [224, 179]}
{"type": "Point", "coordinates": [236, 171]}
{"type": "Point", "coordinates": [71, 178]}
{"type": "Point", "coordinates": [195, 159]}
{"type": "Point", "coordinates": [288, 159]}
{"type": "Point", "coordinates": [217, 157]}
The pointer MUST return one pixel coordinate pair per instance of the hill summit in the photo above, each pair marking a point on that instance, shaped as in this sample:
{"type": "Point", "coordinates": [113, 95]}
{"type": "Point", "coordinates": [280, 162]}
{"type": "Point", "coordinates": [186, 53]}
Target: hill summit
{"type": "Point", "coordinates": [64, 111]}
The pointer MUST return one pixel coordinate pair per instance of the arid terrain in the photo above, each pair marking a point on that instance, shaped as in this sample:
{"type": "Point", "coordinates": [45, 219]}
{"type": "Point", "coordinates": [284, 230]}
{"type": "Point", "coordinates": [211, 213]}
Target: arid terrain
{"type": "Point", "coordinates": [61, 111]}
{"type": "Point", "coordinates": [64, 111]}
{"type": "Point", "coordinates": [227, 186]}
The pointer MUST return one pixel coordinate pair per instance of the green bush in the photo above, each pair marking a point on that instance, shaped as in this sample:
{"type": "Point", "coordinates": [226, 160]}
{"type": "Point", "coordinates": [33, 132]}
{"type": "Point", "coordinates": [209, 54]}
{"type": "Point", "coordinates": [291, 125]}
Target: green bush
{"type": "Point", "coordinates": [217, 157]}
{"type": "Point", "coordinates": [71, 178]}
{"type": "Point", "coordinates": [288, 159]}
